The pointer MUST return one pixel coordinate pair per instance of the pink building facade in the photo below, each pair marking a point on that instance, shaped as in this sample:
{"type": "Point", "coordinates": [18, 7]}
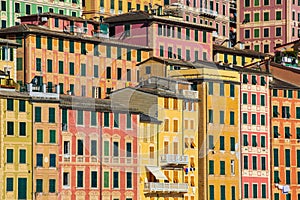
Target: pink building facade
{"type": "Point", "coordinates": [266, 24]}
{"type": "Point", "coordinates": [169, 37]}
{"type": "Point", "coordinates": [97, 151]}
{"type": "Point", "coordinates": [255, 147]}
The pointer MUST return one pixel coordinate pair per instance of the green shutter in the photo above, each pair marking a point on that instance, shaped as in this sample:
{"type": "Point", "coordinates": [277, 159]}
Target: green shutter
{"type": "Point", "coordinates": [128, 180]}
{"type": "Point", "coordinates": [232, 192]}
{"type": "Point", "coordinates": [211, 167]}
{"type": "Point", "coordinates": [231, 90]}
{"type": "Point", "coordinates": [52, 183]}
{"type": "Point", "coordinates": [22, 107]}
{"type": "Point", "coordinates": [79, 117]}
{"type": "Point", "coordinates": [246, 191]}
{"type": "Point", "coordinates": [254, 190]}
{"type": "Point", "coordinates": [139, 55]}
{"type": "Point", "coordinates": [128, 54]}
{"type": "Point", "coordinates": [287, 177]}
{"type": "Point", "coordinates": [276, 164]}
{"type": "Point", "coordinates": [245, 162]}
{"type": "Point", "coordinates": [106, 148]}
{"type": "Point", "coordinates": [61, 45]}
{"type": "Point", "coordinates": [263, 141]}
{"type": "Point", "coordinates": [276, 177]}
{"type": "Point", "coordinates": [210, 116]}
{"type": "Point", "coordinates": [106, 179]}
{"type": "Point", "coordinates": [116, 179]}
{"type": "Point", "coordinates": [51, 115]}
{"type": "Point", "coordinates": [38, 41]}
{"type": "Point", "coordinates": [22, 156]}
{"type": "Point", "coordinates": [222, 117]}
{"type": "Point", "coordinates": [39, 185]}
{"type": "Point", "coordinates": [298, 178]}
{"type": "Point", "coordinates": [106, 119]}
{"type": "Point", "coordinates": [71, 43]}
{"type": "Point", "coordinates": [211, 192]}
{"type": "Point", "coordinates": [83, 48]}
{"type": "Point", "coordinates": [222, 143]}
{"type": "Point", "coordinates": [204, 37]}
{"type": "Point", "coordinates": [290, 93]}
{"type": "Point", "coordinates": [116, 120]}
{"type": "Point", "coordinates": [71, 68]}
{"type": "Point", "coordinates": [245, 140]}
{"type": "Point", "coordinates": [253, 99]}
{"type": "Point", "coordinates": [37, 114]}
{"type": "Point", "coordinates": [49, 43]}
{"type": "Point", "coordinates": [298, 132]}
{"type": "Point", "coordinates": [10, 104]}
{"type": "Point", "coordinates": [287, 158]}
{"type": "Point", "coordinates": [19, 64]}
{"type": "Point", "coordinates": [223, 193]}
{"type": "Point", "coordinates": [196, 36]}
{"type": "Point", "coordinates": [61, 67]}
{"type": "Point", "coordinates": [245, 118]}
{"type": "Point", "coordinates": [94, 179]}
{"type": "Point", "coordinates": [9, 184]}
{"type": "Point", "coordinates": [298, 112]}
{"type": "Point", "coordinates": [210, 88]}
{"type": "Point", "coordinates": [262, 100]}
{"type": "Point", "coordinates": [49, 65]}
{"type": "Point", "coordinates": [93, 118]}
{"type": "Point", "coordinates": [254, 162]}
{"type": "Point", "coordinates": [108, 51]}
{"type": "Point", "coordinates": [52, 136]}
{"type": "Point", "coordinates": [22, 128]}
{"type": "Point", "coordinates": [119, 53]}
{"type": "Point", "coordinates": [10, 128]}
{"type": "Point", "coordinates": [39, 134]}
{"type": "Point", "coordinates": [232, 144]}
{"type": "Point", "coordinates": [80, 147]}
{"type": "Point", "coordinates": [253, 119]}
{"type": "Point", "coordinates": [231, 118]}
{"type": "Point", "coordinates": [222, 167]}
{"type": "Point", "coordinates": [187, 34]}
{"type": "Point", "coordinates": [128, 121]}
{"type": "Point", "coordinates": [64, 116]}
{"type": "Point", "coordinates": [38, 65]}
{"type": "Point", "coordinates": [263, 120]}
{"type": "Point", "coordinates": [245, 98]}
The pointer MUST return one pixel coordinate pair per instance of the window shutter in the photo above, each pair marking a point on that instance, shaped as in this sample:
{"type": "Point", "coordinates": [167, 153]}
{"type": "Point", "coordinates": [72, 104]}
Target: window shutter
{"type": "Point", "coordinates": [211, 192]}
{"type": "Point", "coordinates": [22, 156]}
{"type": "Point", "coordinates": [52, 136]}
{"type": "Point", "coordinates": [37, 114]}
{"type": "Point", "coordinates": [51, 115]}
{"type": "Point", "coordinates": [52, 183]}
{"type": "Point", "coordinates": [276, 164]}
{"type": "Point", "coordinates": [79, 147]}
{"type": "Point", "coordinates": [39, 136]}
{"type": "Point", "coordinates": [222, 143]}
{"type": "Point", "coordinates": [52, 160]}
{"type": "Point", "coordinates": [106, 148]}
{"type": "Point", "coordinates": [211, 167]}
{"type": "Point", "coordinates": [106, 179]}
{"type": "Point", "coordinates": [232, 144]}
{"type": "Point", "coordinates": [79, 178]}
{"type": "Point", "coordinates": [287, 158]}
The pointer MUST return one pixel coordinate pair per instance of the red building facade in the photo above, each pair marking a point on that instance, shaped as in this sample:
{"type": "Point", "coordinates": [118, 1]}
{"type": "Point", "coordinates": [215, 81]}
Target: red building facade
{"type": "Point", "coordinates": [255, 147]}
{"type": "Point", "coordinates": [97, 143]}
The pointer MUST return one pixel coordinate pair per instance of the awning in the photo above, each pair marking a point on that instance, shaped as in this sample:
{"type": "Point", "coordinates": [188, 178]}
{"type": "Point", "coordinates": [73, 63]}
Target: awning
{"type": "Point", "coordinates": [157, 172]}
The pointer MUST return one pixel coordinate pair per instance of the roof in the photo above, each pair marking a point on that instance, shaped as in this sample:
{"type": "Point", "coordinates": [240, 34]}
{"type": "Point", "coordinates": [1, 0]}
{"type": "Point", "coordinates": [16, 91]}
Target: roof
{"type": "Point", "coordinates": [35, 29]}
{"type": "Point", "coordinates": [168, 61]}
{"type": "Point", "coordinates": [289, 44]}
{"type": "Point", "coordinates": [92, 104]}
{"type": "Point", "coordinates": [148, 119]}
{"type": "Point", "coordinates": [237, 51]}
{"type": "Point", "coordinates": [137, 16]}
{"type": "Point", "coordinates": [281, 84]}
{"type": "Point", "coordinates": [55, 15]}
{"type": "Point", "coordinates": [253, 69]}
{"type": "Point", "coordinates": [9, 43]}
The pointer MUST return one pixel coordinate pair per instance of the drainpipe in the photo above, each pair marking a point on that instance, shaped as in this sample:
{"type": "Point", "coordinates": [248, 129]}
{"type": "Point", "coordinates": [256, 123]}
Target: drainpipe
{"type": "Point", "coordinates": [32, 143]}
{"type": "Point", "coordinates": [205, 149]}
{"type": "Point", "coordinates": [25, 60]}
{"type": "Point", "coordinates": [182, 138]}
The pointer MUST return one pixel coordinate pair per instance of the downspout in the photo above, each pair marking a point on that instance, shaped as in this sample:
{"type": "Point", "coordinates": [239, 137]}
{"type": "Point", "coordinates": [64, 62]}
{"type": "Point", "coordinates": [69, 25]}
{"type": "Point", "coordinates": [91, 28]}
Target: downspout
{"type": "Point", "coordinates": [240, 140]}
{"type": "Point", "coordinates": [25, 60]}
{"type": "Point", "coordinates": [32, 168]}
{"type": "Point", "coordinates": [182, 138]}
{"type": "Point", "coordinates": [205, 149]}
{"type": "Point", "coordinates": [101, 135]}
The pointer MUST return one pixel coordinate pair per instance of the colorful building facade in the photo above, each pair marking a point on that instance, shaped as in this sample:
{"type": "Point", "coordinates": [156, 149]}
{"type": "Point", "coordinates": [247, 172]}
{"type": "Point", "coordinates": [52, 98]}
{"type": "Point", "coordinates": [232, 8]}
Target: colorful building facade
{"type": "Point", "coordinates": [254, 135]}
{"type": "Point", "coordinates": [16, 143]}
{"type": "Point", "coordinates": [168, 36]}
{"type": "Point", "coordinates": [218, 132]}
{"type": "Point", "coordinates": [105, 8]}
{"type": "Point", "coordinates": [168, 167]}
{"type": "Point", "coordinates": [97, 150]}
{"type": "Point", "coordinates": [263, 29]}
{"type": "Point", "coordinates": [11, 10]}
{"type": "Point", "coordinates": [285, 135]}
{"type": "Point", "coordinates": [70, 53]}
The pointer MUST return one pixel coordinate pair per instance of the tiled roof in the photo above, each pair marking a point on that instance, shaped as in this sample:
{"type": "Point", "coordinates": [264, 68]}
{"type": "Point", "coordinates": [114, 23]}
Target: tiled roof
{"type": "Point", "coordinates": [142, 15]}
{"type": "Point", "coordinates": [30, 28]}
{"type": "Point", "coordinates": [237, 51]}
{"type": "Point", "coordinates": [9, 43]}
{"type": "Point", "coordinates": [168, 61]}
{"type": "Point", "coordinates": [282, 84]}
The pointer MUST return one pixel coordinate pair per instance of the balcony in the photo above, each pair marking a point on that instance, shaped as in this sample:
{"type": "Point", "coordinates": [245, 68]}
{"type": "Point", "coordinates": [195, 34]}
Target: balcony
{"type": "Point", "coordinates": [64, 127]}
{"type": "Point", "coordinates": [174, 160]}
{"type": "Point", "coordinates": [165, 187]}
{"type": "Point", "coordinates": [208, 13]}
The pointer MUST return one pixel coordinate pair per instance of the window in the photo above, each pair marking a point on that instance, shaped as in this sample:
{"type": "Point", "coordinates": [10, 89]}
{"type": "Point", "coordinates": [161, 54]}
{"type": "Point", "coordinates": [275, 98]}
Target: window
{"type": "Point", "coordinates": [247, 33]}
{"type": "Point", "coordinates": [211, 142]}
{"type": "Point", "coordinates": [263, 163]}
{"type": "Point", "coordinates": [247, 3]}
{"type": "Point", "coordinates": [231, 118]}
{"type": "Point", "coordinates": [71, 68]}
{"type": "Point", "coordinates": [276, 163]}
{"type": "Point", "coordinates": [211, 192]}
{"type": "Point", "coordinates": [285, 112]}
{"type": "Point", "coordinates": [262, 100]}
{"type": "Point", "coordinates": [128, 74]}
{"type": "Point", "coordinates": [106, 119]}
{"type": "Point", "coordinates": [245, 140]}
{"type": "Point", "coordinates": [256, 47]}
{"type": "Point", "coordinates": [22, 156]}
{"type": "Point", "coordinates": [79, 147]}
{"type": "Point", "coordinates": [232, 144]}
{"type": "Point", "coordinates": [211, 167]}
{"type": "Point", "coordinates": [106, 180]}
{"type": "Point", "coordinates": [210, 88]}
{"type": "Point", "coordinates": [222, 167]}
{"type": "Point", "coordinates": [262, 120]}
{"type": "Point", "coordinates": [254, 162]}
{"type": "Point", "coordinates": [79, 179]}
{"type": "Point", "coordinates": [245, 98]}
{"type": "Point", "coordinates": [253, 121]}
{"type": "Point", "coordinates": [210, 116]}
{"type": "Point", "coordinates": [128, 149]}
{"type": "Point", "coordinates": [115, 179]}
{"type": "Point", "coordinates": [52, 160]}
{"type": "Point", "coordinates": [128, 179]}
{"type": "Point", "coordinates": [231, 90]}
{"type": "Point", "coordinates": [27, 8]}
{"type": "Point", "coordinates": [52, 183]}
{"type": "Point", "coordinates": [254, 191]}
{"type": "Point", "coordinates": [187, 34]}
{"type": "Point", "coordinates": [128, 121]}
{"type": "Point", "coordinates": [71, 44]}
{"type": "Point", "coordinates": [66, 181]}
{"type": "Point", "coordinates": [83, 70]}
{"type": "Point", "coordinates": [223, 193]}
{"type": "Point", "coordinates": [256, 16]}
{"type": "Point", "coordinates": [10, 128]}
{"type": "Point", "coordinates": [275, 111]}
{"type": "Point", "coordinates": [263, 141]}
{"type": "Point", "coordinates": [287, 157]}
{"type": "Point", "coordinates": [266, 48]}
{"type": "Point", "coordinates": [40, 136]}
{"type": "Point", "coordinates": [94, 179]}
{"type": "Point", "coordinates": [39, 160]}
{"type": "Point", "coordinates": [127, 30]}
{"type": "Point", "coordinates": [79, 117]}
{"type": "Point", "coordinates": [222, 119]}
{"type": "Point", "coordinates": [9, 184]}
{"type": "Point", "coordinates": [204, 38]}
{"type": "Point", "coordinates": [222, 145]}
{"type": "Point", "coordinates": [52, 136]}
{"type": "Point", "coordinates": [49, 43]}
{"type": "Point", "coordinates": [256, 33]}
{"type": "Point", "coordinates": [39, 185]}
{"type": "Point", "coordinates": [287, 177]}
{"type": "Point", "coordinates": [22, 129]}
{"type": "Point", "coordinates": [266, 16]}
{"type": "Point", "coordinates": [266, 32]}
{"type": "Point", "coordinates": [278, 15]}
{"type": "Point", "coordinates": [278, 31]}
{"type": "Point", "coordinates": [51, 115]}
{"type": "Point", "coordinates": [245, 162]}
{"type": "Point", "coordinates": [233, 192]}
{"type": "Point", "coordinates": [115, 149]}
{"type": "Point", "coordinates": [10, 104]}
{"type": "Point", "coordinates": [246, 191]}
{"type": "Point", "coordinates": [221, 89]}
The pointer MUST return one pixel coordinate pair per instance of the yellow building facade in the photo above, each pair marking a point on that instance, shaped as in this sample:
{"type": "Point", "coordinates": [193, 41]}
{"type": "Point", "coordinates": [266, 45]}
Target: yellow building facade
{"type": "Point", "coordinates": [16, 145]}
{"type": "Point", "coordinates": [106, 8]}
{"type": "Point", "coordinates": [168, 148]}
{"type": "Point", "coordinates": [218, 130]}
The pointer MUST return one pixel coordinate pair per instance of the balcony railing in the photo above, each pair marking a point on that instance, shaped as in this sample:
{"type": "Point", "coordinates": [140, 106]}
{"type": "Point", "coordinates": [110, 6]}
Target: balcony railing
{"type": "Point", "coordinates": [166, 187]}
{"type": "Point", "coordinates": [205, 11]}
{"type": "Point", "coordinates": [174, 159]}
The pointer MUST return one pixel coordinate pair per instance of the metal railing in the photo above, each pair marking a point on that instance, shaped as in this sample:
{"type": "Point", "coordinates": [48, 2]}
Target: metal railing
{"type": "Point", "coordinates": [166, 187]}
{"type": "Point", "coordinates": [174, 159]}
